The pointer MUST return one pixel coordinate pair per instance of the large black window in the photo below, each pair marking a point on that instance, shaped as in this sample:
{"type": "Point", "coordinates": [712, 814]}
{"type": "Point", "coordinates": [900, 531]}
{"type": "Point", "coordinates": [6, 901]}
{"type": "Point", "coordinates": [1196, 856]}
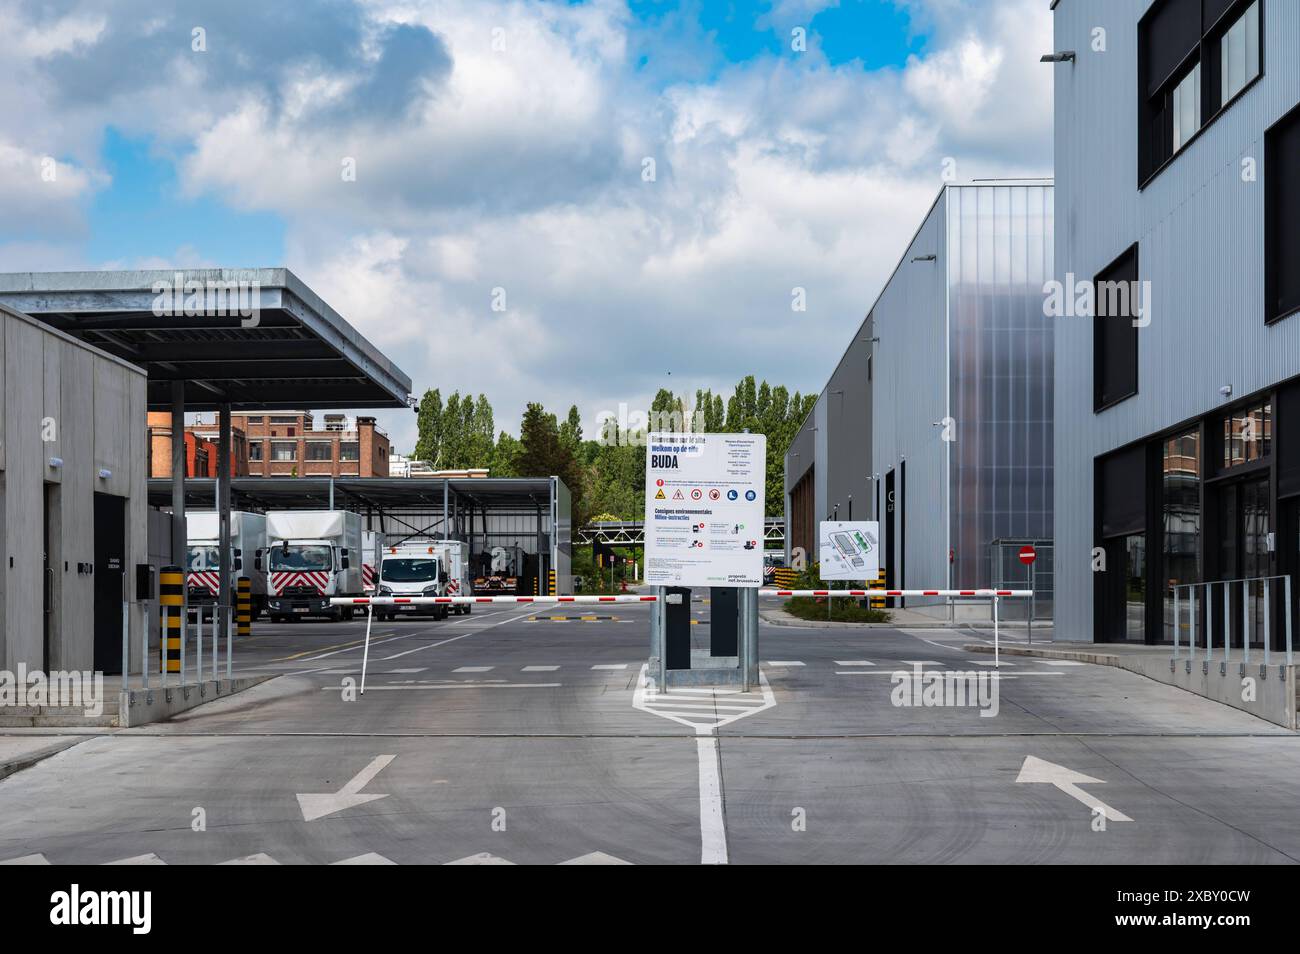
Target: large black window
{"type": "Point", "coordinates": [1118, 303]}
{"type": "Point", "coordinates": [1282, 224]}
{"type": "Point", "coordinates": [1194, 58]}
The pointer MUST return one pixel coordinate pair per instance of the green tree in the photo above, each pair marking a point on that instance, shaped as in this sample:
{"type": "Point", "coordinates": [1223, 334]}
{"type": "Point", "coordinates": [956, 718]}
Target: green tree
{"type": "Point", "coordinates": [428, 445]}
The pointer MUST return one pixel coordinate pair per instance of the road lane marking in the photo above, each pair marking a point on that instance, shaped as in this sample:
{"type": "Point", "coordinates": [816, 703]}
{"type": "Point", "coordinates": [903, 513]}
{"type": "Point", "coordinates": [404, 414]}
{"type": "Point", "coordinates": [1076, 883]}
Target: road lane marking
{"type": "Point", "coordinates": [318, 805]}
{"type": "Point", "coordinates": [539, 669]}
{"type": "Point", "coordinates": [455, 685]}
{"type": "Point", "coordinates": [713, 826]}
{"type": "Point", "coordinates": [261, 858]}
{"type": "Point", "coordinates": [1040, 771]}
{"type": "Point", "coordinates": [853, 662]}
{"type": "Point", "coordinates": [611, 666]}
{"type": "Point", "coordinates": [782, 663]}
{"type": "Point", "coordinates": [474, 669]}
{"type": "Point", "coordinates": [149, 859]}
{"type": "Point", "coordinates": [369, 858]}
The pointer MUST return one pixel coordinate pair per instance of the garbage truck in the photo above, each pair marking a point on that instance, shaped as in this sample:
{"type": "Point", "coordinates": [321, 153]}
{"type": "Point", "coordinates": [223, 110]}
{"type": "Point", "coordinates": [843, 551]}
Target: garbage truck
{"type": "Point", "coordinates": [311, 556]}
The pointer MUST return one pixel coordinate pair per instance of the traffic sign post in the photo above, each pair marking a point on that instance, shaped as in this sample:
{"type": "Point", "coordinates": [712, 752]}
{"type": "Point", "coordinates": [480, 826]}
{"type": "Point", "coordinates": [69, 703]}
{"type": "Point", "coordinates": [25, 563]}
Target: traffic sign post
{"type": "Point", "coordinates": [1027, 556]}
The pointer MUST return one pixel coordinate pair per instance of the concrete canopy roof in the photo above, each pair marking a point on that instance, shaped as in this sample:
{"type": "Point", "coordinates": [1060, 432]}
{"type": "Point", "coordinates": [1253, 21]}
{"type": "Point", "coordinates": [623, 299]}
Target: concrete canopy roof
{"type": "Point", "coordinates": [294, 351]}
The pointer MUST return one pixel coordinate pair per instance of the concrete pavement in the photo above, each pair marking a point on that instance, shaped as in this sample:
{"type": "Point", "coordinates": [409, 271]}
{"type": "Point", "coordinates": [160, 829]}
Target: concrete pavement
{"type": "Point", "coordinates": [514, 736]}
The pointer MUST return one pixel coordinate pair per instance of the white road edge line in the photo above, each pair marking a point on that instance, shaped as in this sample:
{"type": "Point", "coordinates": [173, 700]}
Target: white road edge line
{"type": "Point", "coordinates": [713, 827]}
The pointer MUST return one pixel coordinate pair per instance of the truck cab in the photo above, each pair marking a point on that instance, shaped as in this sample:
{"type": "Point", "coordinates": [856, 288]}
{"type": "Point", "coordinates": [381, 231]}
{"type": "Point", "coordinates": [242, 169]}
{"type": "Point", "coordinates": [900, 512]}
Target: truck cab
{"type": "Point", "coordinates": [414, 568]}
{"type": "Point", "coordinates": [303, 576]}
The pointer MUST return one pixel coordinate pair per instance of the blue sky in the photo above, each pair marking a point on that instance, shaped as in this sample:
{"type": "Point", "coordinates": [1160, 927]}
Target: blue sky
{"type": "Point", "coordinates": [146, 215]}
{"type": "Point", "coordinates": [523, 168]}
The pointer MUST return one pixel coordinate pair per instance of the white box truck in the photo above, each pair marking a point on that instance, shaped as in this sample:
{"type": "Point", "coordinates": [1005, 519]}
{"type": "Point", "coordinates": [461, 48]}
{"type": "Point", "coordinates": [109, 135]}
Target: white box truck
{"type": "Point", "coordinates": [414, 567]}
{"type": "Point", "coordinates": [460, 577]}
{"type": "Point", "coordinates": [202, 566]}
{"type": "Point", "coordinates": [371, 543]}
{"type": "Point", "coordinates": [312, 555]}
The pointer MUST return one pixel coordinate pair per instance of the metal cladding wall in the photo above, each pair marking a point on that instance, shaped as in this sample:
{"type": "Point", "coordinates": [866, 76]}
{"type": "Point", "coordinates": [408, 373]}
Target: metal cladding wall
{"type": "Point", "coordinates": [848, 424]}
{"type": "Point", "coordinates": [908, 396]}
{"type": "Point", "coordinates": [1200, 230]}
{"type": "Point", "coordinates": [798, 458]}
{"type": "Point", "coordinates": [966, 353]}
{"type": "Point", "coordinates": [999, 256]}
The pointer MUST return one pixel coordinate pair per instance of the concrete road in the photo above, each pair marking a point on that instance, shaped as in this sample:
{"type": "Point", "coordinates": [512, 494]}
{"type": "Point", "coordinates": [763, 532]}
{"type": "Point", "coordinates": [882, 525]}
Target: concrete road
{"type": "Point", "coordinates": [528, 736]}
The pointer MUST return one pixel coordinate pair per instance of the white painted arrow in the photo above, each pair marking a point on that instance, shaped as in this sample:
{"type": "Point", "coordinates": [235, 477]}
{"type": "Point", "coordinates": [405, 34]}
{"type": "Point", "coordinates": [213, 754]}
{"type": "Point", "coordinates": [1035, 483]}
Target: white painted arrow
{"type": "Point", "coordinates": [1067, 780]}
{"type": "Point", "coordinates": [349, 796]}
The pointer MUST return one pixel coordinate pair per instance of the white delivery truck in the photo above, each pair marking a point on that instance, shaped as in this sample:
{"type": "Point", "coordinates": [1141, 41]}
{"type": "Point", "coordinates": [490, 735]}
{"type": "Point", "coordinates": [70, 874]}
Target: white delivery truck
{"type": "Point", "coordinates": [413, 568]}
{"type": "Point", "coordinates": [460, 578]}
{"type": "Point", "coordinates": [311, 556]}
{"type": "Point", "coordinates": [202, 566]}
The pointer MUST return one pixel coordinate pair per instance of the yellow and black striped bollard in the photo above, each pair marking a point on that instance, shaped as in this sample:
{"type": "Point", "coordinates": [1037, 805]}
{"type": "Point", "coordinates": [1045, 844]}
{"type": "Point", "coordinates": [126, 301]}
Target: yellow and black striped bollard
{"type": "Point", "coordinates": [550, 586]}
{"type": "Point", "coordinates": [171, 603]}
{"type": "Point", "coordinates": [244, 607]}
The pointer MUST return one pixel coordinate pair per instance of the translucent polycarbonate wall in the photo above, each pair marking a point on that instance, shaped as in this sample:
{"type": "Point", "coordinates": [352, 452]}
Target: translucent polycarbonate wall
{"type": "Point", "coordinates": [1000, 255]}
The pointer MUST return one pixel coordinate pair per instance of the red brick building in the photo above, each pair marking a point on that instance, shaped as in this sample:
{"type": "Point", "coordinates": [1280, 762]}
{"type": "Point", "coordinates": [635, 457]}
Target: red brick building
{"type": "Point", "coordinates": [288, 444]}
{"type": "Point", "coordinates": [200, 448]}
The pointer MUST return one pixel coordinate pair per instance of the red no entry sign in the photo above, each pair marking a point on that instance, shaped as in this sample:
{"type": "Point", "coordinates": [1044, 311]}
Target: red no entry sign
{"type": "Point", "coordinates": [1028, 555]}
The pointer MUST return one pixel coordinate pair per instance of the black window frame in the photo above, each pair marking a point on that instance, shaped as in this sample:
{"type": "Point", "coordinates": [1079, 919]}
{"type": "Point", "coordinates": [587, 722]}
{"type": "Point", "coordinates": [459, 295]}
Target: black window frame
{"type": "Point", "coordinates": [1275, 218]}
{"type": "Point", "coordinates": [1206, 53]}
{"type": "Point", "coordinates": [1100, 401]}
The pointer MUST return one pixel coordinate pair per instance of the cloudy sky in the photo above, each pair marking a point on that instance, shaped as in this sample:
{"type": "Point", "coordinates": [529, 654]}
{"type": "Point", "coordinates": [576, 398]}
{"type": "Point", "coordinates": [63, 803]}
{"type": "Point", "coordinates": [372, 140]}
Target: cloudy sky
{"type": "Point", "coordinates": [647, 181]}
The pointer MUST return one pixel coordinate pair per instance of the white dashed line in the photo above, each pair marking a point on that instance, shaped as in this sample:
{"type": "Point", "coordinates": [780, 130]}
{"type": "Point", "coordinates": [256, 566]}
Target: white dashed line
{"type": "Point", "coordinates": [474, 669]}
{"type": "Point", "coordinates": [782, 663]}
{"type": "Point", "coordinates": [539, 669]}
{"type": "Point", "coordinates": [853, 662]}
{"type": "Point", "coordinates": [610, 666]}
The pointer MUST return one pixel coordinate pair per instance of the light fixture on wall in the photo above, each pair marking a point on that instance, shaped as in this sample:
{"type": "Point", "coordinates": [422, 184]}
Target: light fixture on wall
{"type": "Point", "coordinates": [105, 473]}
{"type": "Point", "coordinates": [925, 258]}
{"type": "Point", "coordinates": [1226, 390]}
{"type": "Point", "coordinates": [1066, 56]}
{"type": "Point", "coordinates": [55, 462]}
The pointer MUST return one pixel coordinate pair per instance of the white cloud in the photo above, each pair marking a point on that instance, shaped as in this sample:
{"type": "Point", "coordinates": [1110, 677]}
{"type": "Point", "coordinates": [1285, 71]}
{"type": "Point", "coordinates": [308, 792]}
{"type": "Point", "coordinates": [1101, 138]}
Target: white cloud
{"type": "Point", "coordinates": [522, 169]}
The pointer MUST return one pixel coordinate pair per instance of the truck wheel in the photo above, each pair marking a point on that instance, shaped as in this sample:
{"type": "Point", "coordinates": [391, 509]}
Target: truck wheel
{"type": "Point", "coordinates": [347, 615]}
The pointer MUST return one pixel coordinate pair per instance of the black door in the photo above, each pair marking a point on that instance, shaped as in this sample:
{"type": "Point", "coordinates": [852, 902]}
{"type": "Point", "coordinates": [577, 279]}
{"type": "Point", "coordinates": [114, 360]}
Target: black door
{"type": "Point", "coordinates": [1243, 555]}
{"type": "Point", "coordinates": [891, 547]}
{"type": "Point", "coordinates": [110, 565]}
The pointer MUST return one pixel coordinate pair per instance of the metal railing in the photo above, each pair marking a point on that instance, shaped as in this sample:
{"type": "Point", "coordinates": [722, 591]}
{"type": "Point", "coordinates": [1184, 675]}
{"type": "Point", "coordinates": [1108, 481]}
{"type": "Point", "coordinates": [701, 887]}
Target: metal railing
{"type": "Point", "coordinates": [1205, 605]}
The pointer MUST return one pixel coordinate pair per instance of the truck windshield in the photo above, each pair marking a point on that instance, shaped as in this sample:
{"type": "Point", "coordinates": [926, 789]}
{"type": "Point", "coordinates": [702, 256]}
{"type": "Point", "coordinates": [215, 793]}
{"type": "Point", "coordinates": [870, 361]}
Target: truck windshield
{"type": "Point", "coordinates": [300, 557]}
{"type": "Point", "coordinates": [410, 570]}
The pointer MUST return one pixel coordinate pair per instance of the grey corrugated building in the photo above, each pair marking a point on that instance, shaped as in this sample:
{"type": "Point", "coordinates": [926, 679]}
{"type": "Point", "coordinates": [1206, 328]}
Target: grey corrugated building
{"type": "Point", "coordinates": [1178, 168]}
{"type": "Point", "coordinates": [949, 383]}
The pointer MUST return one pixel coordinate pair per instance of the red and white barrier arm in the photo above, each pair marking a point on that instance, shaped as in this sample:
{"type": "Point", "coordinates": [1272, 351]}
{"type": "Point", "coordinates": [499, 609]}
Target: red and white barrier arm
{"type": "Point", "coordinates": [774, 594]}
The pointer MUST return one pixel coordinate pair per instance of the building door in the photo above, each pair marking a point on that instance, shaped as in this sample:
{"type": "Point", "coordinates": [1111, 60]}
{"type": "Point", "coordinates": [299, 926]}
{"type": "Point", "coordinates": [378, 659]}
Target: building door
{"type": "Point", "coordinates": [48, 577]}
{"type": "Point", "coordinates": [109, 579]}
{"type": "Point", "coordinates": [1288, 564]}
{"type": "Point", "coordinates": [891, 546]}
{"type": "Point", "coordinates": [1243, 555]}
{"type": "Point", "coordinates": [1123, 590]}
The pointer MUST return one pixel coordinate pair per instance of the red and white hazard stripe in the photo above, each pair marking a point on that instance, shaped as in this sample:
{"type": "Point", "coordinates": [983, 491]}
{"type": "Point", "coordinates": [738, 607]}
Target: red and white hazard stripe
{"type": "Point", "coordinates": [777, 594]}
{"type": "Point", "coordinates": [282, 579]}
{"type": "Point", "coordinates": [207, 579]}
{"type": "Point", "coordinates": [367, 576]}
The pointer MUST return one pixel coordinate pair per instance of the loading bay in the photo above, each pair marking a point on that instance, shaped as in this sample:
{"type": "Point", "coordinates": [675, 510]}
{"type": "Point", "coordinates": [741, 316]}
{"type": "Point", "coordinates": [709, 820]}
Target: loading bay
{"type": "Point", "coordinates": [527, 735]}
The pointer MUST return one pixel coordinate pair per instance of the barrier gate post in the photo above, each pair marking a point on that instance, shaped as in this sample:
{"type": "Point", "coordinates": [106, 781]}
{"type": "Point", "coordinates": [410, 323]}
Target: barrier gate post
{"type": "Point", "coordinates": [171, 601]}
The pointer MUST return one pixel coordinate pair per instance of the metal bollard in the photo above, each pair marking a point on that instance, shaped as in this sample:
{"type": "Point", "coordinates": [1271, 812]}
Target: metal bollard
{"type": "Point", "coordinates": [171, 602]}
